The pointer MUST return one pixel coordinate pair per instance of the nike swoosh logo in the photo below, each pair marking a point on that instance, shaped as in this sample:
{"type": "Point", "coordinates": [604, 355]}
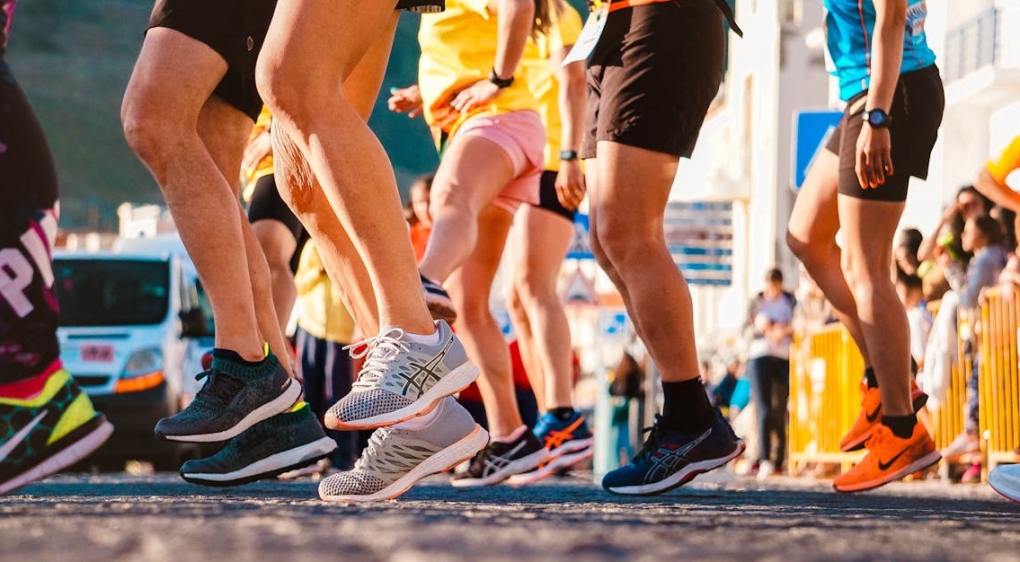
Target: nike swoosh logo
{"type": "Point", "coordinates": [20, 436]}
{"type": "Point", "coordinates": [873, 416]}
{"type": "Point", "coordinates": [886, 465]}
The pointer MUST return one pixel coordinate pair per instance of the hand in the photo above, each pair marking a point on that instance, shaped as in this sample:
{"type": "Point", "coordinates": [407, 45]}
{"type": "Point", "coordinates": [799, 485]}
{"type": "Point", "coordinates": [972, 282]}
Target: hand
{"type": "Point", "coordinates": [406, 100]}
{"type": "Point", "coordinates": [570, 184]}
{"type": "Point", "coordinates": [259, 147]}
{"type": "Point", "coordinates": [477, 93]}
{"type": "Point", "coordinates": [874, 157]}
{"type": "Point", "coordinates": [950, 212]}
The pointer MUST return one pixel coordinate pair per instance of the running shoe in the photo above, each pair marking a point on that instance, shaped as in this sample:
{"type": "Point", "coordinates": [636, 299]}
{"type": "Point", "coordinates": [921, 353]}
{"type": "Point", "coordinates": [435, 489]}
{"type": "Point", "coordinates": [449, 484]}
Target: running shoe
{"type": "Point", "coordinates": [46, 425]}
{"type": "Point", "coordinates": [964, 444]}
{"type": "Point", "coordinates": [234, 398]}
{"type": "Point", "coordinates": [401, 379]}
{"type": "Point", "coordinates": [670, 459]}
{"type": "Point", "coordinates": [889, 458]}
{"type": "Point", "coordinates": [271, 447]}
{"type": "Point", "coordinates": [871, 413]}
{"type": "Point", "coordinates": [398, 457]}
{"type": "Point", "coordinates": [1005, 479]}
{"type": "Point", "coordinates": [438, 300]}
{"type": "Point", "coordinates": [568, 442]}
{"type": "Point", "coordinates": [499, 461]}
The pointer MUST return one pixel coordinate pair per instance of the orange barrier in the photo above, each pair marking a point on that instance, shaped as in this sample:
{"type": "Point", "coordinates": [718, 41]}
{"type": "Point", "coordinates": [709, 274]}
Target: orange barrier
{"type": "Point", "coordinates": [999, 384]}
{"type": "Point", "coordinates": [825, 376]}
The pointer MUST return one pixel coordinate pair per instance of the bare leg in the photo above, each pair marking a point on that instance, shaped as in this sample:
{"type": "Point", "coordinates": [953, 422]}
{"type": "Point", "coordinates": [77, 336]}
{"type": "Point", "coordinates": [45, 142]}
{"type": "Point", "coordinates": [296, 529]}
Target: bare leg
{"type": "Point", "coordinates": [628, 194]}
{"type": "Point", "coordinates": [302, 86]}
{"type": "Point", "coordinates": [169, 88]}
{"type": "Point", "coordinates": [469, 288]}
{"type": "Point", "coordinates": [540, 239]}
{"type": "Point", "coordinates": [278, 245]}
{"type": "Point", "coordinates": [812, 238]}
{"type": "Point", "coordinates": [869, 228]}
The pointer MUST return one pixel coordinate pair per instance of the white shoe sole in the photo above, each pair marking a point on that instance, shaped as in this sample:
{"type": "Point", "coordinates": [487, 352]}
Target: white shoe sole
{"type": "Point", "coordinates": [72, 454]}
{"type": "Point", "coordinates": [278, 405]}
{"type": "Point", "coordinates": [555, 465]}
{"type": "Point", "coordinates": [446, 459]}
{"type": "Point", "coordinates": [454, 381]}
{"type": "Point", "coordinates": [270, 466]}
{"type": "Point", "coordinates": [524, 464]}
{"type": "Point", "coordinates": [681, 477]}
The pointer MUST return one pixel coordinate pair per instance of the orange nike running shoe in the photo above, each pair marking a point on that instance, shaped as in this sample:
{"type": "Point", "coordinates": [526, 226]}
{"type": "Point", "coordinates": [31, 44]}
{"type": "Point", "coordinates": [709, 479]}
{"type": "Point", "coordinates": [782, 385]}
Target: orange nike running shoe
{"type": "Point", "coordinates": [889, 458]}
{"type": "Point", "coordinates": [871, 413]}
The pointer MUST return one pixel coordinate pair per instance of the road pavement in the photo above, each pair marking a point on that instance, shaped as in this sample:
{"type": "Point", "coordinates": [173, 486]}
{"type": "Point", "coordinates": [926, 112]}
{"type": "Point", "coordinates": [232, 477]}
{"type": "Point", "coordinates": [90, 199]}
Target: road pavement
{"type": "Point", "coordinates": [158, 517]}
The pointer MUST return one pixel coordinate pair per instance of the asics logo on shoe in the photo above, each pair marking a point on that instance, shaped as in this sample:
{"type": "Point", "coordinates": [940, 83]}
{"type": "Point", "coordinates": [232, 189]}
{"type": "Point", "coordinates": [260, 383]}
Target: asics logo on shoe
{"type": "Point", "coordinates": [496, 462]}
{"type": "Point", "coordinates": [666, 463]}
{"type": "Point", "coordinates": [21, 435]}
{"type": "Point", "coordinates": [425, 374]}
{"type": "Point", "coordinates": [557, 438]}
{"type": "Point", "coordinates": [886, 465]}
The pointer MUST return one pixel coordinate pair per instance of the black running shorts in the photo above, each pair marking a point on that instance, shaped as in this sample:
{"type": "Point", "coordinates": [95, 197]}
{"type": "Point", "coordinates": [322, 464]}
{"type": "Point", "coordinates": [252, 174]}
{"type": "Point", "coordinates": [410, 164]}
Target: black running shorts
{"type": "Point", "coordinates": [916, 115]}
{"type": "Point", "coordinates": [235, 29]}
{"type": "Point", "coordinates": [548, 199]}
{"type": "Point", "coordinates": [652, 76]}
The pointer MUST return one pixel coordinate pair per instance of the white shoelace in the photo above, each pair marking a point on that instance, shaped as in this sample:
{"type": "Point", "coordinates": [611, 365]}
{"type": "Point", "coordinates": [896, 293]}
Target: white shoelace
{"type": "Point", "coordinates": [378, 352]}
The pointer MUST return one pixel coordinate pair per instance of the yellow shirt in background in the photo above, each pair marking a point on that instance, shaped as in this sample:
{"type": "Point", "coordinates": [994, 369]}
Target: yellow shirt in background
{"type": "Point", "coordinates": [265, 166]}
{"type": "Point", "coordinates": [1007, 161]}
{"type": "Point", "coordinates": [322, 312]}
{"type": "Point", "coordinates": [458, 48]}
{"type": "Point", "coordinates": [564, 30]}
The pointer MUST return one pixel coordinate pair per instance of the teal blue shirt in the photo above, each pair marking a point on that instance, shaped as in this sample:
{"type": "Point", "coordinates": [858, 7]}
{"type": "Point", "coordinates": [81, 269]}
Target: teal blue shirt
{"type": "Point", "coordinates": [850, 32]}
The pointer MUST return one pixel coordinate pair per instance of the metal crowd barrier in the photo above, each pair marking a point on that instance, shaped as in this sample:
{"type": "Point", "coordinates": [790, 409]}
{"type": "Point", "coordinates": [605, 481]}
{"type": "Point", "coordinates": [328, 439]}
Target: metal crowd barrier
{"type": "Point", "coordinates": [998, 380]}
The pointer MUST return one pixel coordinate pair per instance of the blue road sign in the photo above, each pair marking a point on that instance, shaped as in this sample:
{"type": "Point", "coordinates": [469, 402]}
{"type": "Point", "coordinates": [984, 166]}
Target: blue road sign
{"type": "Point", "coordinates": [811, 132]}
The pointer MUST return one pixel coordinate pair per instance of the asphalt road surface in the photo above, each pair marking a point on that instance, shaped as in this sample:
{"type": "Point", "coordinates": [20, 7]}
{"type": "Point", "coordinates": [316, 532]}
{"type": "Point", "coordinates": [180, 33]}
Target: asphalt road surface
{"type": "Point", "coordinates": [119, 517]}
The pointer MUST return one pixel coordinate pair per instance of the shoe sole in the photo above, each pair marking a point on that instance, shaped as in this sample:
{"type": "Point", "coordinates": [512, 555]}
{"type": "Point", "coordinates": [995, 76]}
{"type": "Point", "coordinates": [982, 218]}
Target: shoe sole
{"type": "Point", "coordinates": [444, 460]}
{"type": "Point", "coordinates": [274, 465]}
{"type": "Point", "coordinates": [554, 466]}
{"type": "Point", "coordinates": [441, 309]}
{"type": "Point", "coordinates": [920, 464]}
{"type": "Point", "coordinates": [523, 464]}
{"type": "Point", "coordinates": [858, 444]}
{"type": "Point", "coordinates": [278, 405]}
{"type": "Point", "coordinates": [1002, 489]}
{"type": "Point", "coordinates": [457, 380]}
{"type": "Point", "coordinates": [64, 458]}
{"type": "Point", "coordinates": [682, 477]}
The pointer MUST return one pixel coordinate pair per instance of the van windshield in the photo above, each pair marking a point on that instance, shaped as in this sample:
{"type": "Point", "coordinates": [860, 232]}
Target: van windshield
{"type": "Point", "coordinates": [112, 292]}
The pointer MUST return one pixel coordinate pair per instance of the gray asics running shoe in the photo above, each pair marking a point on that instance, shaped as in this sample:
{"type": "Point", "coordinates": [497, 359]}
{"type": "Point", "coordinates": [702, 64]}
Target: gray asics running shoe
{"type": "Point", "coordinates": [401, 379]}
{"type": "Point", "coordinates": [234, 398]}
{"type": "Point", "coordinates": [282, 443]}
{"type": "Point", "coordinates": [396, 457]}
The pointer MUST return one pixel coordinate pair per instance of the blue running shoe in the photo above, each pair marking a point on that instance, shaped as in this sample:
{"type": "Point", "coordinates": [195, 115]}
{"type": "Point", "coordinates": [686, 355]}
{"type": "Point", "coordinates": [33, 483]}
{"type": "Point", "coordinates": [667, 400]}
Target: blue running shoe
{"type": "Point", "coordinates": [669, 459]}
{"type": "Point", "coordinates": [568, 442]}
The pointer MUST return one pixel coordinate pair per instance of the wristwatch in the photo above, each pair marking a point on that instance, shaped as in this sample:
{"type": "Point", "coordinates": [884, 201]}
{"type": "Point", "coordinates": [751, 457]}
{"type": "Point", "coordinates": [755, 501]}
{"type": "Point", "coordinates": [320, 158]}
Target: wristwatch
{"type": "Point", "coordinates": [877, 118]}
{"type": "Point", "coordinates": [501, 82]}
{"type": "Point", "coordinates": [568, 155]}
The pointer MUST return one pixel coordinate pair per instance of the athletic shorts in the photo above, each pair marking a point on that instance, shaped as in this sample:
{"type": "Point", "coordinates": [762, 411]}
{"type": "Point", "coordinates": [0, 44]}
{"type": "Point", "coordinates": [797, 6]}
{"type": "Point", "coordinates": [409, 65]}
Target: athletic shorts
{"type": "Point", "coordinates": [652, 76]}
{"type": "Point", "coordinates": [522, 136]}
{"type": "Point", "coordinates": [916, 115]}
{"type": "Point", "coordinates": [547, 198]}
{"type": "Point", "coordinates": [266, 204]}
{"type": "Point", "coordinates": [235, 29]}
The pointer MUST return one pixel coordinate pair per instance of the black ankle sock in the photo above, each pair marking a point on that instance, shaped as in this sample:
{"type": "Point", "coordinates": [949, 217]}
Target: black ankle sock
{"type": "Point", "coordinates": [901, 426]}
{"type": "Point", "coordinates": [685, 407]}
{"type": "Point", "coordinates": [233, 357]}
{"type": "Point", "coordinates": [562, 414]}
{"type": "Point", "coordinates": [869, 375]}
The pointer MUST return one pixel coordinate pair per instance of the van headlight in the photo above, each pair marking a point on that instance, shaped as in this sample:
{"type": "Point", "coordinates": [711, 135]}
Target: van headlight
{"type": "Point", "coordinates": [144, 370]}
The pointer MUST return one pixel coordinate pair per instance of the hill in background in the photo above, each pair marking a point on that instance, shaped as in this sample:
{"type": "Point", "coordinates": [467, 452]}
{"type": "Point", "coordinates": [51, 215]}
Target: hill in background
{"type": "Point", "coordinates": [73, 58]}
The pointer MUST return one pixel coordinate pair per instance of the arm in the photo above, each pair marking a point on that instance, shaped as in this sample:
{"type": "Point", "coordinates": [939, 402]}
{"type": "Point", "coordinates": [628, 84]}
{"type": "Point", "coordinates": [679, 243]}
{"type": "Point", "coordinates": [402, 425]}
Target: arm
{"type": "Point", "coordinates": [874, 157]}
{"type": "Point", "coordinates": [573, 97]}
{"type": "Point", "coordinates": [514, 28]}
{"type": "Point", "coordinates": [999, 193]}
{"type": "Point", "coordinates": [926, 251]}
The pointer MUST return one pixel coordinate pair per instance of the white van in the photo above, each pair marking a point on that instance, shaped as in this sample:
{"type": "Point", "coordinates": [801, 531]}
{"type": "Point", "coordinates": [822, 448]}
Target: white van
{"type": "Point", "coordinates": [133, 327]}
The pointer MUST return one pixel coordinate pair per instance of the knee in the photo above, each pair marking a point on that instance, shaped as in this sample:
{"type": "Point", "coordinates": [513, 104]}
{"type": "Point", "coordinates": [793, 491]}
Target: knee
{"type": "Point", "coordinates": [626, 249]}
{"type": "Point", "coordinates": [284, 88]}
{"type": "Point", "coordinates": [277, 244]}
{"type": "Point", "coordinates": [149, 133]}
{"type": "Point", "coordinates": [800, 248]}
{"type": "Point", "coordinates": [514, 301]}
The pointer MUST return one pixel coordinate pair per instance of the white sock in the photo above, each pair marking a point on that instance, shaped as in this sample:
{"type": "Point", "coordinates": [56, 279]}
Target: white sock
{"type": "Point", "coordinates": [431, 339]}
{"type": "Point", "coordinates": [422, 421]}
{"type": "Point", "coordinates": [514, 436]}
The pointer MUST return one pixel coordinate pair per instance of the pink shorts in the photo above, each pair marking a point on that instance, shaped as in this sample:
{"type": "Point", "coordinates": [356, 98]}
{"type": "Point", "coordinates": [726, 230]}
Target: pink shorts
{"type": "Point", "coordinates": [522, 136]}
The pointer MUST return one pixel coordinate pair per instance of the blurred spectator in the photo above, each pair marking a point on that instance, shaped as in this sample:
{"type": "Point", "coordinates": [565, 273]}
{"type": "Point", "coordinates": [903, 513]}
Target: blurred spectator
{"type": "Point", "coordinates": [906, 251]}
{"type": "Point", "coordinates": [722, 391]}
{"type": "Point", "coordinates": [420, 221]}
{"type": "Point", "coordinates": [813, 310]}
{"type": "Point", "coordinates": [919, 318]}
{"type": "Point", "coordinates": [770, 317]}
{"type": "Point", "coordinates": [626, 383]}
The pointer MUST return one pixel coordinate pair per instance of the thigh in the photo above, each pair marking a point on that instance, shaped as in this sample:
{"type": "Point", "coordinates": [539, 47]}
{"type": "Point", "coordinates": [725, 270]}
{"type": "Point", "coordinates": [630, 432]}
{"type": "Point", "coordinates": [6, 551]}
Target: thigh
{"type": "Point", "coordinates": [473, 172]}
{"type": "Point", "coordinates": [815, 215]}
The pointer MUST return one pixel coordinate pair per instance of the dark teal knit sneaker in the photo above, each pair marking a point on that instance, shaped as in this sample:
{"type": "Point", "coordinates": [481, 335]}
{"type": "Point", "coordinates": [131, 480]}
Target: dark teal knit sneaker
{"type": "Point", "coordinates": [269, 448]}
{"type": "Point", "coordinates": [234, 398]}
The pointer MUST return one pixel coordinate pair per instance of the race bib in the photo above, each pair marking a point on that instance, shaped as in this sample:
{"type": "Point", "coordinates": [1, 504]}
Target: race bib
{"type": "Point", "coordinates": [589, 37]}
